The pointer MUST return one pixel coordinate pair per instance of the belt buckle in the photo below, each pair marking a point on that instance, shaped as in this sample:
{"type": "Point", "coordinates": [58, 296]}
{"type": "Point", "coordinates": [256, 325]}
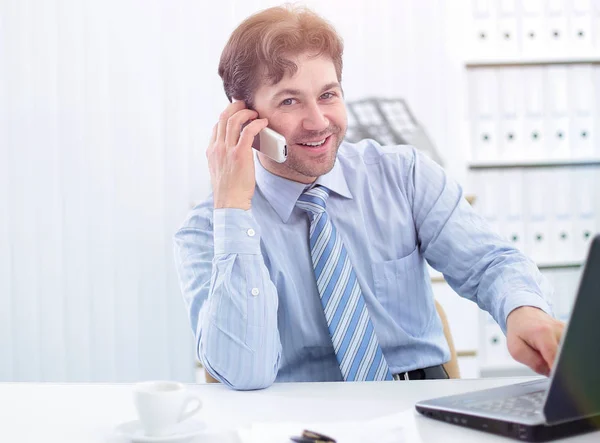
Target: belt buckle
{"type": "Point", "coordinates": [401, 376]}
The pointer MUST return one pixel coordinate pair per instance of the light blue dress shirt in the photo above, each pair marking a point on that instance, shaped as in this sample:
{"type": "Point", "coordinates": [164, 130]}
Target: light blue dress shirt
{"type": "Point", "coordinates": [248, 282]}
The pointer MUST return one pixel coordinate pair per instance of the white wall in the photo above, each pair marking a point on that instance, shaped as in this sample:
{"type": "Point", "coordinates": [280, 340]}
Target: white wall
{"type": "Point", "coordinates": [105, 112]}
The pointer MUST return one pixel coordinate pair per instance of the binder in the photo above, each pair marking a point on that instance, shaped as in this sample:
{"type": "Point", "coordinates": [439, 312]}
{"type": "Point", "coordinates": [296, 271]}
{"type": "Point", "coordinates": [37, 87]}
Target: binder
{"type": "Point", "coordinates": [534, 132]}
{"type": "Point", "coordinates": [488, 188]}
{"type": "Point", "coordinates": [492, 347]}
{"type": "Point", "coordinates": [581, 39]}
{"type": "Point", "coordinates": [556, 90]}
{"type": "Point", "coordinates": [537, 228]}
{"type": "Point", "coordinates": [484, 114]}
{"type": "Point", "coordinates": [533, 29]}
{"type": "Point", "coordinates": [557, 113]}
{"type": "Point", "coordinates": [585, 198]}
{"type": "Point", "coordinates": [507, 30]}
{"type": "Point", "coordinates": [584, 137]}
{"type": "Point", "coordinates": [484, 34]}
{"type": "Point", "coordinates": [512, 205]}
{"type": "Point", "coordinates": [562, 236]}
{"type": "Point", "coordinates": [557, 30]}
{"type": "Point", "coordinates": [533, 35]}
{"type": "Point", "coordinates": [510, 123]}
{"type": "Point", "coordinates": [581, 89]}
{"type": "Point", "coordinates": [581, 94]}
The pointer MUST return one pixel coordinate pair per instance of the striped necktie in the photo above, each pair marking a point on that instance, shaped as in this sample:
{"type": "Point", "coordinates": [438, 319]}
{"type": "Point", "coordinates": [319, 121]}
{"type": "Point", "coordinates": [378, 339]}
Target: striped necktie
{"type": "Point", "coordinates": [354, 341]}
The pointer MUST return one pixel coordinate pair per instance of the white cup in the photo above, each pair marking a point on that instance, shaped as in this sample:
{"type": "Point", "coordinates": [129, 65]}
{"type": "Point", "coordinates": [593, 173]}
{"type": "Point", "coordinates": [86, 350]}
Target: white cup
{"type": "Point", "coordinates": [162, 404]}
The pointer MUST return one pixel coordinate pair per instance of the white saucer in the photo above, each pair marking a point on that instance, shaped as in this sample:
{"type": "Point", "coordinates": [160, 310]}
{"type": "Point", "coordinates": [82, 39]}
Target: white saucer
{"type": "Point", "coordinates": [184, 431]}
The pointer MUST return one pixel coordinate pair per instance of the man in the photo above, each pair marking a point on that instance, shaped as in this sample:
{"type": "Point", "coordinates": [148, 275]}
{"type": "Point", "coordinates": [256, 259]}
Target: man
{"type": "Point", "coordinates": [315, 269]}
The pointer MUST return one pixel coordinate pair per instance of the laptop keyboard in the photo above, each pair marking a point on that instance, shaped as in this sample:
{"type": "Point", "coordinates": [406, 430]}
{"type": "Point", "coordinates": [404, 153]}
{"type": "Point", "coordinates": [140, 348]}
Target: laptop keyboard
{"type": "Point", "coordinates": [526, 405]}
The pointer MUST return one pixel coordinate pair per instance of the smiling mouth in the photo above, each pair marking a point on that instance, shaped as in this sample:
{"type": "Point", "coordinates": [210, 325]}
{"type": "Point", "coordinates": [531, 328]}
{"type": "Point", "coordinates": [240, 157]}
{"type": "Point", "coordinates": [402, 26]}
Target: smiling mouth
{"type": "Point", "coordinates": [315, 144]}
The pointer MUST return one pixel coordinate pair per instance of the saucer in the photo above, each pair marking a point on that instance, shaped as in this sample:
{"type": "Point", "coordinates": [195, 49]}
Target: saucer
{"type": "Point", "coordinates": [184, 431]}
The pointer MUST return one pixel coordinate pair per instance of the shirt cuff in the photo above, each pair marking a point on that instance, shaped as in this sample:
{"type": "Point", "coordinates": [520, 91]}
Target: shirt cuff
{"type": "Point", "coordinates": [235, 232]}
{"type": "Point", "coordinates": [524, 299]}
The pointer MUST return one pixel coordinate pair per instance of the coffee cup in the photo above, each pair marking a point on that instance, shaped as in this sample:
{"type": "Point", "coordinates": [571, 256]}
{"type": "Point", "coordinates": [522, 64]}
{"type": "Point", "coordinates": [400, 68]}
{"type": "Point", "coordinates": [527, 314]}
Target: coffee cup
{"type": "Point", "coordinates": [161, 405]}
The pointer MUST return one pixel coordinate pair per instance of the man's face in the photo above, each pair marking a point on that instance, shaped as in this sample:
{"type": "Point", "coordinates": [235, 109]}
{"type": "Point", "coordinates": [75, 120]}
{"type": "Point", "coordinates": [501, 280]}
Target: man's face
{"type": "Point", "coordinates": [307, 107]}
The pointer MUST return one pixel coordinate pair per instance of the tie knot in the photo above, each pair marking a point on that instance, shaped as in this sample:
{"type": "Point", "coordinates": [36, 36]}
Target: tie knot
{"type": "Point", "coordinates": [314, 200]}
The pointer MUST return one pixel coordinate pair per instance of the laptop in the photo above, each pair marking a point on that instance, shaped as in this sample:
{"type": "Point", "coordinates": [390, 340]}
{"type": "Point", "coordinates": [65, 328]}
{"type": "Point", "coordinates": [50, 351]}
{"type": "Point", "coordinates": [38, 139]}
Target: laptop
{"type": "Point", "coordinates": [565, 404]}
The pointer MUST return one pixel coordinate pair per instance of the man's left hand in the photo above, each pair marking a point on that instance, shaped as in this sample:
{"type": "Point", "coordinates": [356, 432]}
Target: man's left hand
{"type": "Point", "coordinates": [533, 337]}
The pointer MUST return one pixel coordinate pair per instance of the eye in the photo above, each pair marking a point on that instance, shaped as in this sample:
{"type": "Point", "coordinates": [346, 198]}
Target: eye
{"type": "Point", "coordinates": [287, 102]}
{"type": "Point", "coordinates": [328, 95]}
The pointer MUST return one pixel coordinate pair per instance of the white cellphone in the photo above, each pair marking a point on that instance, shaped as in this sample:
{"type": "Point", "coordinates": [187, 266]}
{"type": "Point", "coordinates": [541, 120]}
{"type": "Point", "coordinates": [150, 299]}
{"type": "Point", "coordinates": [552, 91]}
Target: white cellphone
{"type": "Point", "coordinates": [272, 144]}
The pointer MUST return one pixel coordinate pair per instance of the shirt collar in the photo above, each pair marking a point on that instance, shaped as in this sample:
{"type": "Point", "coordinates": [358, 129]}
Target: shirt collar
{"type": "Point", "coordinates": [282, 193]}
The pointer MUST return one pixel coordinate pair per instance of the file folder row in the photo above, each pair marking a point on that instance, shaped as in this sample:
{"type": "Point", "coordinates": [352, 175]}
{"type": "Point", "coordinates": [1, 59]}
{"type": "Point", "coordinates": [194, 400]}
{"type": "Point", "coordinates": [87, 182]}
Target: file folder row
{"type": "Point", "coordinates": [550, 214]}
{"type": "Point", "coordinates": [511, 28]}
{"type": "Point", "coordinates": [535, 112]}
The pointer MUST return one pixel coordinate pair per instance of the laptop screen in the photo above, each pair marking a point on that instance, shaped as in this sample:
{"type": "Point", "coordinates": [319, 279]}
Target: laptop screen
{"type": "Point", "coordinates": [575, 388]}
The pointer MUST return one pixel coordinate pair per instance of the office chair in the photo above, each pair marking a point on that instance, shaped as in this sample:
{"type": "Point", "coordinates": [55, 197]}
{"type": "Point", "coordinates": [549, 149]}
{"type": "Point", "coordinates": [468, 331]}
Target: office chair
{"type": "Point", "coordinates": [388, 121]}
{"type": "Point", "coordinates": [451, 366]}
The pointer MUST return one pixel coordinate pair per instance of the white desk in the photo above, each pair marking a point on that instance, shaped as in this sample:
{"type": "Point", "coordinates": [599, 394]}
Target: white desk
{"type": "Point", "coordinates": [80, 413]}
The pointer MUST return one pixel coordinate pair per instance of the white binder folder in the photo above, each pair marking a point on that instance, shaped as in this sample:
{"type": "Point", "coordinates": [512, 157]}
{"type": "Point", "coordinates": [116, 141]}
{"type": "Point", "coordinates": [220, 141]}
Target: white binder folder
{"type": "Point", "coordinates": [533, 29]}
{"type": "Point", "coordinates": [512, 207]}
{"type": "Point", "coordinates": [510, 123]}
{"type": "Point", "coordinates": [581, 37]}
{"type": "Point", "coordinates": [562, 233]}
{"type": "Point", "coordinates": [557, 90]}
{"type": "Point", "coordinates": [584, 137]}
{"type": "Point", "coordinates": [581, 89]}
{"type": "Point", "coordinates": [488, 190]}
{"type": "Point", "coordinates": [538, 208]}
{"type": "Point", "coordinates": [582, 97]}
{"type": "Point", "coordinates": [586, 200]}
{"type": "Point", "coordinates": [557, 113]}
{"type": "Point", "coordinates": [534, 133]}
{"type": "Point", "coordinates": [557, 27]}
{"type": "Point", "coordinates": [507, 31]}
{"type": "Point", "coordinates": [484, 114]}
{"type": "Point", "coordinates": [484, 33]}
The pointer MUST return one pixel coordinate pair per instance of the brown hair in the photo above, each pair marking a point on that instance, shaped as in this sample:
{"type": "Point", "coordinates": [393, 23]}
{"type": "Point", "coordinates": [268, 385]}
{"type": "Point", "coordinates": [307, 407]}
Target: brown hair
{"type": "Point", "coordinates": [258, 48]}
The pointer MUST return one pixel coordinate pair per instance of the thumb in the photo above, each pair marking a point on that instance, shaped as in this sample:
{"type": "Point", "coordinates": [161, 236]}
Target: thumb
{"type": "Point", "coordinates": [547, 346]}
{"type": "Point", "coordinates": [529, 356]}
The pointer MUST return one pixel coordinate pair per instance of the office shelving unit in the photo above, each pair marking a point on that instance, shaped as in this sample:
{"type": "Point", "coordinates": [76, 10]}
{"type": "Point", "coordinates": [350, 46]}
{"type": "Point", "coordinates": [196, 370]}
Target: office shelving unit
{"type": "Point", "coordinates": [552, 41]}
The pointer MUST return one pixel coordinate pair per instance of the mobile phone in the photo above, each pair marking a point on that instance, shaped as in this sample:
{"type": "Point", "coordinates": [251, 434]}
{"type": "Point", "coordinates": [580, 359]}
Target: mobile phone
{"type": "Point", "coordinates": [272, 144]}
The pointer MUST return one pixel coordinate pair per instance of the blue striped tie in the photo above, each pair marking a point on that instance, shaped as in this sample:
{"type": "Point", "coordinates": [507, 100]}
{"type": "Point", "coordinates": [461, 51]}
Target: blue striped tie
{"type": "Point", "coordinates": [352, 334]}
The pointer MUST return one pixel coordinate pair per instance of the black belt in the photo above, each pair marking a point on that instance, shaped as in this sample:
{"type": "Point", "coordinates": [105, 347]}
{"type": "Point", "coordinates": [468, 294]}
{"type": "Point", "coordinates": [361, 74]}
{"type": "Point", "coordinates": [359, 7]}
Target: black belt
{"type": "Point", "coordinates": [432, 372]}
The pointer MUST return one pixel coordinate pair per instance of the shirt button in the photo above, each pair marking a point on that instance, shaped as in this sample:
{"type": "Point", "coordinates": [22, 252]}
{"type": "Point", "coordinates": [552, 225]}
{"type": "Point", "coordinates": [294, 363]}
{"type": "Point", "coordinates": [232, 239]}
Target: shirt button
{"type": "Point", "coordinates": [255, 291]}
{"type": "Point", "coordinates": [250, 232]}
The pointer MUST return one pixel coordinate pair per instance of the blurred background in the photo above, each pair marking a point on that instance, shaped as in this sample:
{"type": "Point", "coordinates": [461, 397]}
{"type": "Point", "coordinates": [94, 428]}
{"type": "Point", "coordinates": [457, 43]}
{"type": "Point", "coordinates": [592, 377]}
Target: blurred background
{"type": "Point", "coordinates": [106, 109]}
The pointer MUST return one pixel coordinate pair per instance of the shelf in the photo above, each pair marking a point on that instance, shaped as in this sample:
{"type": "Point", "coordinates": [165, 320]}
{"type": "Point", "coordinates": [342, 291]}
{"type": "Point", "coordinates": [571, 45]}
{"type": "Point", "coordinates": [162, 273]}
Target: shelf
{"type": "Point", "coordinates": [534, 163]}
{"type": "Point", "coordinates": [533, 61]}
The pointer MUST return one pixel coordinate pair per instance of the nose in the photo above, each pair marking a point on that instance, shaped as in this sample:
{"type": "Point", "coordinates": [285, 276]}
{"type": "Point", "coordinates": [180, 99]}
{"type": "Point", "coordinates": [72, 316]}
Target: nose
{"type": "Point", "coordinates": [315, 119]}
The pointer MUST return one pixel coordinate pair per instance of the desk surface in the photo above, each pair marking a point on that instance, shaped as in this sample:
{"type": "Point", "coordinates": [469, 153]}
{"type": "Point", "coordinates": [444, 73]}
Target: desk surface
{"type": "Point", "coordinates": [89, 412]}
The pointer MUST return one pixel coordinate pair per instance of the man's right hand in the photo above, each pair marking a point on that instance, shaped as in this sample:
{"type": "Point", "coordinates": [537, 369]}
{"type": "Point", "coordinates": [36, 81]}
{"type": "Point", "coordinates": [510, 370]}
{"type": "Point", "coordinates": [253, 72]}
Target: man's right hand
{"type": "Point", "coordinates": [230, 157]}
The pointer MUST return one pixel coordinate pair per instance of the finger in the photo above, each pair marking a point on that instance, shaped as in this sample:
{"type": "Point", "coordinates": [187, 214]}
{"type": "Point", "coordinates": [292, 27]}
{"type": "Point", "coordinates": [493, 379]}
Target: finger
{"type": "Point", "coordinates": [527, 355]}
{"type": "Point", "coordinates": [252, 131]}
{"type": "Point", "coordinates": [224, 117]}
{"type": "Point", "coordinates": [213, 136]}
{"type": "Point", "coordinates": [234, 126]}
{"type": "Point", "coordinates": [547, 345]}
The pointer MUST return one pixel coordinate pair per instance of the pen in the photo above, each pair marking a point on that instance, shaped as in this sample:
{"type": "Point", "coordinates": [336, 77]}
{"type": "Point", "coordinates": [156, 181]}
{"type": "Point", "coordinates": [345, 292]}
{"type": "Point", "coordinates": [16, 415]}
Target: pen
{"type": "Point", "coordinates": [307, 440]}
{"type": "Point", "coordinates": [312, 437]}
